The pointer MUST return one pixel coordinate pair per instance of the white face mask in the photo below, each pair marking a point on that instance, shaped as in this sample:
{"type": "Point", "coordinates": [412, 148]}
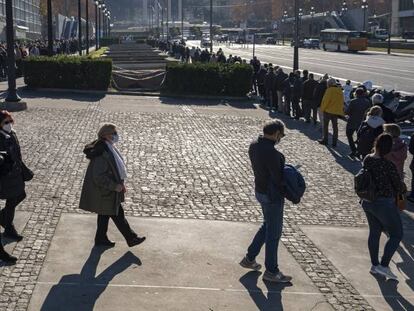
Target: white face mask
{"type": "Point", "coordinates": [8, 127]}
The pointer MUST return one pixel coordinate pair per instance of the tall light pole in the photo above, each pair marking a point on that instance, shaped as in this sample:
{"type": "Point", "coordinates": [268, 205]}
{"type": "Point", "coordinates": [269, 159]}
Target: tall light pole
{"type": "Point", "coordinates": [300, 20]}
{"type": "Point", "coordinates": [364, 6]}
{"type": "Point", "coordinates": [312, 14]}
{"type": "Point", "coordinates": [11, 69]}
{"type": "Point", "coordinates": [284, 18]}
{"type": "Point", "coordinates": [296, 46]}
{"type": "Point", "coordinates": [182, 20]}
{"type": "Point", "coordinates": [80, 27]}
{"type": "Point", "coordinates": [49, 28]}
{"type": "Point", "coordinates": [389, 33]}
{"type": "Point", "coordinates": [211, 26]}
{"type": "Point", "coordinates": [344, 8]}
{"type": "Point", "coordinates": [96, 25]}
{"type": "Point", "coordinates": [87, 26]}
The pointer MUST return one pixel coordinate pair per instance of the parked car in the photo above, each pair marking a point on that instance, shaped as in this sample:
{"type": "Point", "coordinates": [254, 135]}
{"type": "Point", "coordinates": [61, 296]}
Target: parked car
{"type": "Point", "coordinates": [270, 40]}
{"type": "Point", "coordinates": [292, 43]}
{"type": "Point", "coordinates": [205, 42]}
{"type": "Point", "coordinates": [311, 43]}
{"type": "Point", "coordinates": [408, 35]}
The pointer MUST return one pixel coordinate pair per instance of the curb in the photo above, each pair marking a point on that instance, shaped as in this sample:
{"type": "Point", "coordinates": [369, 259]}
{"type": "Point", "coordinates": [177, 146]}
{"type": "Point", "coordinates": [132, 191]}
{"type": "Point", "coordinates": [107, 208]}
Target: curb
{"type": "Point", "coordinates": [13, 106]}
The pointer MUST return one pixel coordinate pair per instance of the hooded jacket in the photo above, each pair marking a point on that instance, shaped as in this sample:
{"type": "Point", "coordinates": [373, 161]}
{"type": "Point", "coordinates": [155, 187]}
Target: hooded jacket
{"type": "Point", "coordinates": [369, 130]}
{"type": "Point", "coordinates": [99, 193]}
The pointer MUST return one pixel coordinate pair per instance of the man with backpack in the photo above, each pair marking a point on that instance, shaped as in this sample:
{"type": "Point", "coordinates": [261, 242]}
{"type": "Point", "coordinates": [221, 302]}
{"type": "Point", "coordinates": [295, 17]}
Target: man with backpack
{"type": "Point", "coordinates": [268, 167]}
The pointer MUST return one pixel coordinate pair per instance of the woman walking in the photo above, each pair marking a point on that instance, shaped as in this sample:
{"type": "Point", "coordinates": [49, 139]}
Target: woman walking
{"type": "Point", "coordinates": [13, 175]}
{"type": "Point", "coordinates": [383, 214]}
{"type": "Point", "coordinates": [104, 187]}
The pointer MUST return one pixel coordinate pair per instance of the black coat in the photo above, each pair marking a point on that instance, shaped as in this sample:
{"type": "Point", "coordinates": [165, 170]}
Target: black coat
{"type": "Point", "coordinates": [11, 178]}
{"type": "Point", "coordinates": [309, 87]}
{"type": "Point", "coordinates": [320, 92]}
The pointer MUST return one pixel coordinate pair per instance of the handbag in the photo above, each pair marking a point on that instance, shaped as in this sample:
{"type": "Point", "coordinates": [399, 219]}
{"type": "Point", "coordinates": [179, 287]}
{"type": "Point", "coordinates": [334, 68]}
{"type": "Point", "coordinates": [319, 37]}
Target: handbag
{"type": "Point", "coordinates": [401, 202]}
{"type": "Point", "coordinates": [27, 174]}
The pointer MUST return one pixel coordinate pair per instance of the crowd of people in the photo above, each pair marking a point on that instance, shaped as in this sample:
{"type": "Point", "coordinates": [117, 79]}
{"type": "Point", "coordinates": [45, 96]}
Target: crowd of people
{"type": "Point", "coordinates": [34, 48]}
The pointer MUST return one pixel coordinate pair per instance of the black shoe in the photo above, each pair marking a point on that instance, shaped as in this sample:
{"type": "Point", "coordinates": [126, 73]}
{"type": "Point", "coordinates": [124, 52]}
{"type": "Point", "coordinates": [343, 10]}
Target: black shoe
{"type": "Point", "coordinates": [104, 243]}
{"type": "Point", "coordinates": [11, 233]}
{"type": "Point", "coordinates": [6, 257]}
{"type": "Point", "coordinates": [323, 142]}
{"type": "Point", "coordinates": [135, 241]}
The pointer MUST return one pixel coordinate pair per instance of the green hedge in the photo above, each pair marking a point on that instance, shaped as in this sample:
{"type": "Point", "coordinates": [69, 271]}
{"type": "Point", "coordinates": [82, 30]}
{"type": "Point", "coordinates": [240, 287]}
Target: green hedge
{"type": "Point", "coordinates": [208, 79]}
{"type": "Point", "coordinates": [67, 72]}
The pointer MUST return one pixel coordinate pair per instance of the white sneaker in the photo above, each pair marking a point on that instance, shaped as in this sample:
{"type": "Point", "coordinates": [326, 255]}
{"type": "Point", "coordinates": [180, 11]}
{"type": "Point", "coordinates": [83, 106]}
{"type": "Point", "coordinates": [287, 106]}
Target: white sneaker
{"type": "Point", "coordinates": [373, 269]}
{"type": "Point", "coordinates": [386, 271]}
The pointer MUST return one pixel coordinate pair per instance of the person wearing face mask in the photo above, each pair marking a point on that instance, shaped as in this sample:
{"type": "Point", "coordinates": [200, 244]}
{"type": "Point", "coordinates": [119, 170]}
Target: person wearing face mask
{"type": "Point", "coordinates": [268, 165]}
{"type": "Point", "coordinates": [13, 175]}
{"type": "Point", "coordinates": [104, 189]}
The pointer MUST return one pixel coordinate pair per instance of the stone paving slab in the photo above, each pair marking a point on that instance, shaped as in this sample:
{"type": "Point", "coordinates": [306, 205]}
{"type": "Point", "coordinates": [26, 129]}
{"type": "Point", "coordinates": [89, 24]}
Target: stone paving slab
{"type": "Point", "coordinates": [21, 219]}
{"type": "Point", "coordinates": [183, 265]}
{"type": "Point", "coordinates": [347, 249]}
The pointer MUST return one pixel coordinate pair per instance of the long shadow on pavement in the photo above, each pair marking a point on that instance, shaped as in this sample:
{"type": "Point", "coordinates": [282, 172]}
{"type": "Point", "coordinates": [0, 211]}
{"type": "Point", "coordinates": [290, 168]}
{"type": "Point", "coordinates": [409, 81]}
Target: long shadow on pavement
{"type": "Point", "coordinates": [313, 133]}
{"type": "Point", "coordinates": [81, 291]}
{"type": "Point", "coordinates": [238, 104]}
{"type": "Point", "coordinates": [81, 97]}
{"type": "Point", "coordinates": [273, 301]}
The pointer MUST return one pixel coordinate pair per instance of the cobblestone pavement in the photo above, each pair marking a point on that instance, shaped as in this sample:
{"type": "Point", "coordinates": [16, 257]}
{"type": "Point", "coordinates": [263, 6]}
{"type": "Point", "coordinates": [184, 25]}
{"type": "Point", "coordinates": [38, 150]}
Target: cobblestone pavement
{"type": "Point", "coordinates": [183, 164]}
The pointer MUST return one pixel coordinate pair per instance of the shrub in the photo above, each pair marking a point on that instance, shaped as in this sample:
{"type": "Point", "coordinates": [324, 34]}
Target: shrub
{"type": "Point", "coordinates": [208, 79]}
{"type": "Point", "coordinates": [98, 53]}
{"type": "Point", "coordinates": [67, 72]}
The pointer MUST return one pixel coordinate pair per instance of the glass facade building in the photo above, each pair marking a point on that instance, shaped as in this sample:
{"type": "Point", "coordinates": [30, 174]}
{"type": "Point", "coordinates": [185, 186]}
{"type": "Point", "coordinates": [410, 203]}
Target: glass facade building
{"type": "Point", "coordinates": [406, 15]}
{"type": "Point", "coordinates": [26, 14]}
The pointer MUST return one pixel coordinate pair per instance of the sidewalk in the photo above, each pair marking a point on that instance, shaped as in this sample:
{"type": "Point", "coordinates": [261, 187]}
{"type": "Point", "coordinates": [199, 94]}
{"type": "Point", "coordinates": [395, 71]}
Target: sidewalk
{"type": "Point", "coordinates": [190, 191]}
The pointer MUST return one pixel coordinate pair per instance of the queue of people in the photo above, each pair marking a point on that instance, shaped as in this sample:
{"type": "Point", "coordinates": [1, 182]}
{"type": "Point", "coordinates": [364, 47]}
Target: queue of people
{"type": "Point", "coordinates": [34, 48]}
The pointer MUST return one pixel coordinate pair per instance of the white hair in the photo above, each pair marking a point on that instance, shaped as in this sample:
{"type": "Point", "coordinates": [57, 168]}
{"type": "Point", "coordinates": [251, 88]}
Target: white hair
{"type": "Point", "coordinates": [377, 99]}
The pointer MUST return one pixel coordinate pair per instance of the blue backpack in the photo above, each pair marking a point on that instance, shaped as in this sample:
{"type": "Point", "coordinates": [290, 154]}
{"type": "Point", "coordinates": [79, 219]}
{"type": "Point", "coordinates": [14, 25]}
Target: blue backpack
{"type": "Point", "coordinates": [295, 185]}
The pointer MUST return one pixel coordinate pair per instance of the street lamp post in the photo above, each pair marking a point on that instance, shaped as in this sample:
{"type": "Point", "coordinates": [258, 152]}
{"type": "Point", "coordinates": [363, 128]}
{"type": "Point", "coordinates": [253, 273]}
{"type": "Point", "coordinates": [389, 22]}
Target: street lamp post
{"type": "Point", "coordinates": [300, 20]}
{"type": "Point", "coordinates": [285, 17]}
{"type": "Point", "coordinates": [49, 28]}
{"type": "Point", "coordinates": [96, 26]}
{"type": "Point", "coordinates": [344, 8]}
{"type": "Point", "coordinates": [182, 20]}
{"type": "Point", "coordinates": [296, 46]}
{"type": "Point", "coordinates": [11, 69]}
{"type": "Point", "coordinates": [389, 33]}
{"type": "Point", "coordinates": [364, 6]}
{"type": "Point", "coordinates": [312, 14]}
{"type": "Point", "coordinates": [211, 26]}
{"type": "Point", "coordinates": [87, 26]}
{"type": "Point", "coordinates": [80, 27]}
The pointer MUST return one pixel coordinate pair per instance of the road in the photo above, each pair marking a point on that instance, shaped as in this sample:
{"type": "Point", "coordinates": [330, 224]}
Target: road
{"type": "Point", "coordinates": [387, 71]}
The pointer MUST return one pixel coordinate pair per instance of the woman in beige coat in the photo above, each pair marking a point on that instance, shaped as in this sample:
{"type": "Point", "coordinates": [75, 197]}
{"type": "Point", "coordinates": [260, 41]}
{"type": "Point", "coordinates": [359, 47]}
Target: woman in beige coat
{"type": "Point", "coordinates": [104, 189]}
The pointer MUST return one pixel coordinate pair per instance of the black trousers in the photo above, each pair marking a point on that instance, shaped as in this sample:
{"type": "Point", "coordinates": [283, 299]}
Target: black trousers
{"type": "Point", "coordinates": [351, 141]}
{"type": "Point", "coordinates": [9, 210]}
{"type": "Point", "coordinates": [120, 222]}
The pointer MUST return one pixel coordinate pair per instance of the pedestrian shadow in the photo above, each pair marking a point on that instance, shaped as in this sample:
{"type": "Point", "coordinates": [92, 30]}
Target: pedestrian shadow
{"type": "Point", "coordinates": [389, 289]}
{"type": "Point", "coordinates": [273, 301]}
{"type": "Point", "coordinates": [82, 291]}
{"type": "Point", "coordinates": [340, 153]}
{"type": "Point", "coordinates": [197, 101]}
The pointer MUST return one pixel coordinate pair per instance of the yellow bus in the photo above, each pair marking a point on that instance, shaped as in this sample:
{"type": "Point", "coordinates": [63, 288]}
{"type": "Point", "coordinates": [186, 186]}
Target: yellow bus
{"type": "Point", "coordinates": [344, 40]}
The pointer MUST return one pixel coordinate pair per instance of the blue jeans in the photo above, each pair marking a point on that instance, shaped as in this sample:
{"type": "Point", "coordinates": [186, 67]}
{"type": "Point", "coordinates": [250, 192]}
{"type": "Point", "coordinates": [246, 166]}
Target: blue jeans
{"type": "Point", "coordinates": [269, 233]}
{"type": "Point", "coordinates": [383, 215]}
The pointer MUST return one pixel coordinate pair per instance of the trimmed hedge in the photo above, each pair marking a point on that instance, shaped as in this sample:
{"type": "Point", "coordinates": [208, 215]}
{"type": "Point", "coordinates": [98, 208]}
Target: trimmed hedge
{"type": "Point", "coordinates": [208, 79]}
{"type": "Point", "coordinates": [67, 72]}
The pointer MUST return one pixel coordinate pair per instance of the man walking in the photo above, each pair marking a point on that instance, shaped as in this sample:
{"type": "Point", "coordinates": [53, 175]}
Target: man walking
{"type": "Point", "coordinates": [268, 164]}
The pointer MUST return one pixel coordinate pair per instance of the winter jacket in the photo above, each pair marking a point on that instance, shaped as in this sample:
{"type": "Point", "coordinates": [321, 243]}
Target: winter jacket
{"type": "Point", "coordinates": [269, 80]}
{"type": "Point", "coordinates": [11, 178]}
{"type": "Point", "coordinates": [297, 88]}
{"type": "Point", "coordinates": [268, 165]}
{"type": "Point", "coordinates": [288, 86]}
{"type": "Point", "coordinates": [320, 92]}
{"type": "Point", "coordinates": [398, 155]}
{"type": "Point", "coordinates": [367, 133]}
{"type": "Point", "coordinates": [356, 111]}
{"type": "Point", "coordinates": [280, 78]}
{"type": "Point", "coordinates": [309, 89]}
{"type": "Point", "coordinates": [333, 101]}
{"type": "Point", "coordinates": [99, 193]}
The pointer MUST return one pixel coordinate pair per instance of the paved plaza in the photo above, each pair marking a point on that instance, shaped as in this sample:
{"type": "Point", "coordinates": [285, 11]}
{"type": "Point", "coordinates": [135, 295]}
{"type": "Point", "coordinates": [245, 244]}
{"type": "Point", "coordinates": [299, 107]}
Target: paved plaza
{"type": "Point", "coordinates": [190, 192]}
